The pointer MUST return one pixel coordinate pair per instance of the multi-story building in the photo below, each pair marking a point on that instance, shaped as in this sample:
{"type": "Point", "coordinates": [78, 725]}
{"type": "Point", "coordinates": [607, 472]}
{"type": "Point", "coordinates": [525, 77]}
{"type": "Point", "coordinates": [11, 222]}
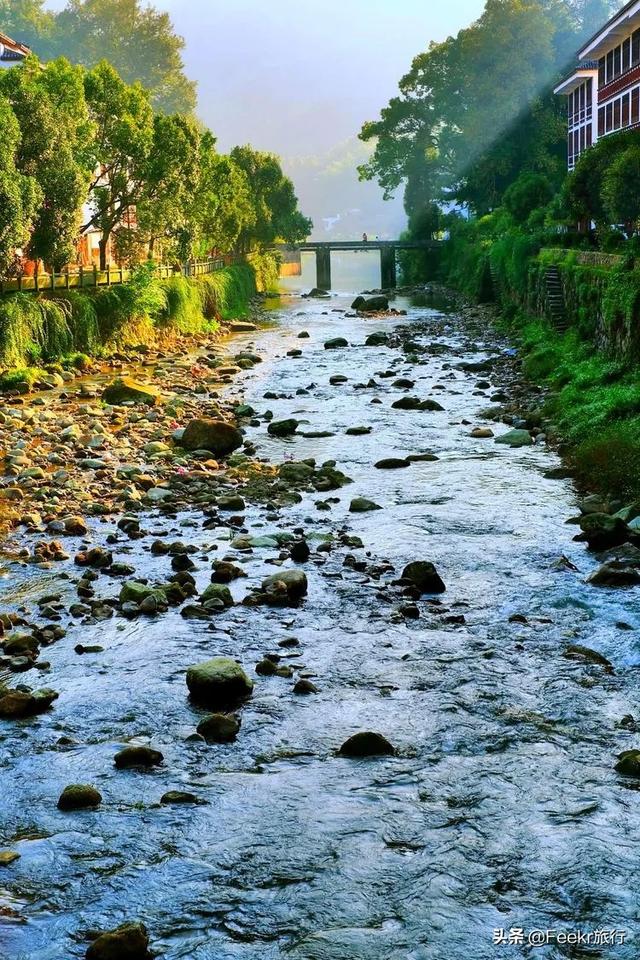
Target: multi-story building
{"type": "Point", "coordinates": [603, 92]}
{"type": "Point", "coordinates": [11, 52]}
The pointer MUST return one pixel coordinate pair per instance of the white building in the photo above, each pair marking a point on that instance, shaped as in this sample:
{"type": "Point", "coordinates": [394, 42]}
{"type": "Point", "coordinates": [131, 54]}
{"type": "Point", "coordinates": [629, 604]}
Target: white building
{"type": "Point", "coordinates": [603, 92]}
{"type": "Point", "coordinates": [11, 52]}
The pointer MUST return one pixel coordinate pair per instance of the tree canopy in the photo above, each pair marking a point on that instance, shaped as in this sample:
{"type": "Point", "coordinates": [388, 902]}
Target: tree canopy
{"type": "Point", "coordinates": [139, 41]}
{"type": "Point", "coordinates": [477, 109]}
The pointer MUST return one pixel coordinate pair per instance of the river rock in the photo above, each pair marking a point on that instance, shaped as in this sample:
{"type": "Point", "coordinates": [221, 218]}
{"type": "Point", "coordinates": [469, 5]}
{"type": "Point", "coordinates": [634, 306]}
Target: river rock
{"type": "Point", "coordinates": [295, 582]}
{"type": "Point", "coordinates": [79, 796]}
{"type": "Point", "coordinates": [614, 575]}
{"type": "Point", "coordinates": [377, 339]}
{"type": "Point", "coordinates": [629, 763]}
{"type": "Point", "coordinates": [601, 531]}
{"type": "Point", "coordinates": [300, 551]}
{"type": "Point", "coordinates": [218, 683]}
{"type": "Point", "coordinates": [295, 471]}
{"type": "Point", "coordinates": [318, 292]}
{"type": "Point", "coordinates": [577, 652]}
{"type": "Point", "coordinates": [481, 433]}
{"type": "Point", "coordinates": [225, 572]}
{"type": "Point", "coordinates": [392, 463]}
{"type": "Point", "coordinates": [515, 438]}
{"type": "Point", "coordinates": [377, 304]}
{"type": "Point", "coordinates": [336, 343]}
{"type": "Point", "coordinates": [362, 505]}
{"type": "Point", "coordinates": [423, 575]}
{"type": "Point", "coordinates": [283, 428]}
{"type": "Point", "coordinates": [127, 390]}
{"type": "Point", "coordinates": [303, 687]}
{"type": "Point", "coordinates": [217, 591]}
{"type": "Point", "coordinates": [134, 592]}
{"type": "Point", "coordinates": [366, 744]}
{"type": "Point", "coordinates": [177, 797]}
{"type": "Point", "coordinates": [137, 756]}
{"type": "Point", "coordinates": [232, 503]}
{"type": "Point", "coordinates": [219, 727]}
{"type": "Point", "coordinates": [130, 941]}
{"type": "Point", "coordinates": [358, 431]}
{"type": "Point", "coordinates": [217, 436]}
{"type": "Point", "coordinates": [15, 704]}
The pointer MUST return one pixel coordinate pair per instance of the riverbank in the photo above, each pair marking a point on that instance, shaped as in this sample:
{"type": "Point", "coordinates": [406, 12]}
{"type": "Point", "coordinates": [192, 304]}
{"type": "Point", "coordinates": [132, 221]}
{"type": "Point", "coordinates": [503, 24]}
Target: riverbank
{"type": "Point", "coordinates": [576, 331]}
{"type": "Point", "coordinates": [44, 338]}
{"type": "Point", "coordinates": [365, 448]}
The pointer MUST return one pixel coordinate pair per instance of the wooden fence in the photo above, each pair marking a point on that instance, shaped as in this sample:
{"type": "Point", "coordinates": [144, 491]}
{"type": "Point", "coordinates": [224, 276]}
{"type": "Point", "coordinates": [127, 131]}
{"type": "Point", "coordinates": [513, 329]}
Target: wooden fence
{"type": "Point", "coordinates": [94, 277]}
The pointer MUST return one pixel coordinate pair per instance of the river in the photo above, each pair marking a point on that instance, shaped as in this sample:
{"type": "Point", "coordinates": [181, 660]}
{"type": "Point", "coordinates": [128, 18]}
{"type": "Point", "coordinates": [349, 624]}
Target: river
{"type": "Point", "coordinates": [500, 811]}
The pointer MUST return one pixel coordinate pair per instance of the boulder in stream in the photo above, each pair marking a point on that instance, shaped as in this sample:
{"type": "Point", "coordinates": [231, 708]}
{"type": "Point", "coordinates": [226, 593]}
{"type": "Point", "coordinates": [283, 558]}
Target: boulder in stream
{"type": "Point", "coordinates": [217, 436]}
{"type": "Point", "coordinates": [218, 683]}
{"type": "Point", "coordinates": [601, 531]}
{"type": "Point", "coordinates": [129, 941]}
{"type": "Point", "coordinates": [137, 756]}
{"type": "Point", "coordinates": [219, 727]}
{"type": "Point", "coordinates": [423, 575]}
{"type": "Point", "coordinates": [283, 428]}
{"type": "Point", "coordinates": [366, 744]}
{"type": "Point", "coordinates": [79, 796]}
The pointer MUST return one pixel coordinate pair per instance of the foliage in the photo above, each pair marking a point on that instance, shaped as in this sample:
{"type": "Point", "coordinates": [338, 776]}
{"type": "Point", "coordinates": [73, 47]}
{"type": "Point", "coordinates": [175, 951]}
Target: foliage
{"type": "Point", "coordinates": [274, 207]}
{"type": "Point", "coordinates": [19, 194]}
{"type": "Point", "coordinates": [584, 187]}
{"type": "Point", "coordinates": [524, 195]}
{"type": "Point", "coordinates": [477, 110]}
{"type": "Point", "coordinates": [138, 40]}
{"type": "Point", "coordinates": [621, 189]}
{"type": "Point", "coordinates": [49, 105]}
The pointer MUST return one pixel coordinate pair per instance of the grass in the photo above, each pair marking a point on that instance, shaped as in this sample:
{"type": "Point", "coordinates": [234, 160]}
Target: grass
{"type": "Point", "coordinates": [77, 325]}
{"type": "Point", "coordinates": [595, 404]}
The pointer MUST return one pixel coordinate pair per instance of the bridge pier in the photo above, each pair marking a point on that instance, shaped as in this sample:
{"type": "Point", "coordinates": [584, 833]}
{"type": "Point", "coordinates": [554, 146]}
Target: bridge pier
{"type": "Point", "coordinates": [388, 274]}
{"type": "Point", "coordinates": [323, 268]}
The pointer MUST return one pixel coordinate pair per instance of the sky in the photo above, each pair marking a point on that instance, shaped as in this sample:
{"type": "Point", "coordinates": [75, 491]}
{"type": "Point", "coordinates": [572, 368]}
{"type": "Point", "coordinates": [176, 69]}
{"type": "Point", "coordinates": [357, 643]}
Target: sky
{"type": "Point", "coordinates": [299, 76]}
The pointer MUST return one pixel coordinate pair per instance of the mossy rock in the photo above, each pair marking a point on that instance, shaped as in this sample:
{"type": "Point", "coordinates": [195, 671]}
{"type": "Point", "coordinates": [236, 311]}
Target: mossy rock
{"type": "Point", "coordinates": [217, 436]}
{"type": "Point", "coordinates": [127, 390]}
{"type": "Point", "coordinates": [79, 796]}
{"type": "Point", "coordinates": [130, 941]}
{"type": "Point", "coordinates": [218, 683]}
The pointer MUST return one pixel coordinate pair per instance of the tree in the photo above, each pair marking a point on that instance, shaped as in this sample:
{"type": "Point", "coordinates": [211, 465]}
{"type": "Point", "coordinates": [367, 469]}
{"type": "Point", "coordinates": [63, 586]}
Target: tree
{"type": "Point", "coordinates": [478, 109]}
{"type": "Point", "coordinates": [26, 21]}
{"type": "Point", "coordinates": [584, 187]}
{"type": "Point", "coordinates": [123, 121]}
{"type": "Point", "coordinates": [621, 190]}
{"type": "Point", "coordinates": [50, 107]}
{"type": "Point", "coordinates": [19, 194]}
{"type": "Point", "coordinates": [275, 213]}
{"type": "Point", "coordinates": [528, 192]}
{"type": "Point", "coordinates": [221, 206]}
{"type": "Point", "coordinates": [136, 39]}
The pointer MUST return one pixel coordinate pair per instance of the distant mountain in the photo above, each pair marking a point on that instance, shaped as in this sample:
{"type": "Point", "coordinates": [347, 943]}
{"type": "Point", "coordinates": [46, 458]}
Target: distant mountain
{"type": "Point", "coordinates": [341, 207]}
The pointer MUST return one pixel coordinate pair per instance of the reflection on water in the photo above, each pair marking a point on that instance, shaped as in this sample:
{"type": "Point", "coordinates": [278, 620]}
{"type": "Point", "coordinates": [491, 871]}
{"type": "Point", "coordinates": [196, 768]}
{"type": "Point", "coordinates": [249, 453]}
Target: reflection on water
{"type": "Point", "coordinates": [350, 271]}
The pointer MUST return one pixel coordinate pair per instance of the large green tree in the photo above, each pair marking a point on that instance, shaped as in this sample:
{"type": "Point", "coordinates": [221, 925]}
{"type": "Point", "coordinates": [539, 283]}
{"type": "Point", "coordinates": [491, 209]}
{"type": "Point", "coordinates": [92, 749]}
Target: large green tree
{"type": "Point", "coordinates": [275, 213]}
{"type": "Point", "coordinates": [138, 40]}
{"type": "Point", "coordinates": [19, 194]}
{"type": "Point", "coordinates": [55, 134]}
{"type": "Point", "coordinates": [477, 109]}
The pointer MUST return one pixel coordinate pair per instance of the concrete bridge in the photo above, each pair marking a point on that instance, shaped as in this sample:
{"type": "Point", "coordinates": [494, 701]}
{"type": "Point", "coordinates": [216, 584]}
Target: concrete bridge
{"type": "Point", "coordinates": [387, 249]}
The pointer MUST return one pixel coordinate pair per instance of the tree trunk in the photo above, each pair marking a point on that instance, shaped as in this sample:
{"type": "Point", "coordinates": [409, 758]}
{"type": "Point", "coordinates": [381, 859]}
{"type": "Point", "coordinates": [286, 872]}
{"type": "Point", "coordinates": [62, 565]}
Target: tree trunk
{"type": "Point", "coordinates": [103, 244]}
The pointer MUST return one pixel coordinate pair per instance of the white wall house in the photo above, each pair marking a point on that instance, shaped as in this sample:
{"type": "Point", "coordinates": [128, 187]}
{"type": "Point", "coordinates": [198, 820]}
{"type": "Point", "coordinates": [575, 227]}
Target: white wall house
{"type": "Point", "coordinates": [603, 92]}
{"type": "Point", "coordinates": [11, 52]}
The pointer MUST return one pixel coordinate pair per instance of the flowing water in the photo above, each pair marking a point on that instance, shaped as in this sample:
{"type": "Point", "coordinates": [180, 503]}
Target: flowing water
{"type": "Point", "coordinates": [501, 809]}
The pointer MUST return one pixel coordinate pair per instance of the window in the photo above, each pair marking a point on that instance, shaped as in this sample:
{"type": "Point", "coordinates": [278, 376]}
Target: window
{"type": "Point", "coordinates": [609, 123]}
{"type": "Point", "coordinates": [616, 62]}
{"type": "Point", "coordinates": [589, 135]}
{"type": "Point", "coordinates": [635, 105]}
{"type": "Point", "coordinates": [626, 54]}
{"type": "Point", "coordinates": [625, 110]}
{"type": "Point", "coordinates": [601, 67]}
{"type": "Point", "coordinates": [616, 114]}
{"type": "Point", "coordinates": [601, 121]}
{"type": "Point", "coordinates": [610, 66]}
{"type": "Point", "coordinates": [635, 47]}
{"type": "Point", "coordinates": [589, 96]}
